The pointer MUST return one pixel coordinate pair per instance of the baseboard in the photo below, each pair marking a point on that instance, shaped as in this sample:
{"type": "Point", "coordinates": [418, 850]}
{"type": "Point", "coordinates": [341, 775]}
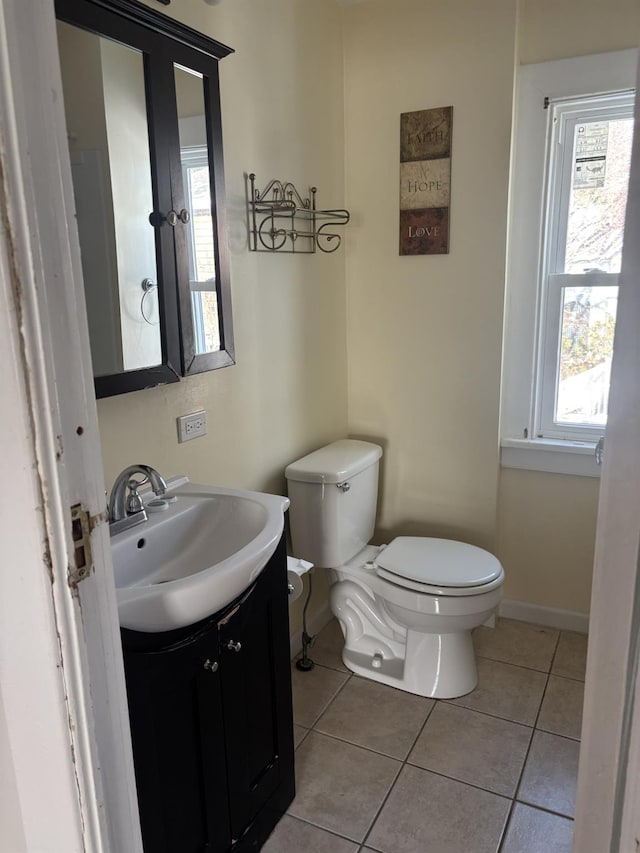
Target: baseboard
{"type": "Point", "coordinates": [315, 624]}
{"type": "Point", "coordinates": [551, 617]}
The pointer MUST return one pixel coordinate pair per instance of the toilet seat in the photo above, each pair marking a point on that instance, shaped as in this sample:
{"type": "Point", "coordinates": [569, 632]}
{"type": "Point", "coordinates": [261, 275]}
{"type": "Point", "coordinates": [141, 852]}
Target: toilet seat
{"type": "Point", "coordinates": [439, 566]}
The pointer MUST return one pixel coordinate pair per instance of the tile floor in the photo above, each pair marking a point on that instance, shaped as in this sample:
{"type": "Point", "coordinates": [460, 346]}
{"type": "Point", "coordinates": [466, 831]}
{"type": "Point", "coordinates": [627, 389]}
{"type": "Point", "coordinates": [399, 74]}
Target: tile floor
{"type": "Point", "coordinates": [378, 769]}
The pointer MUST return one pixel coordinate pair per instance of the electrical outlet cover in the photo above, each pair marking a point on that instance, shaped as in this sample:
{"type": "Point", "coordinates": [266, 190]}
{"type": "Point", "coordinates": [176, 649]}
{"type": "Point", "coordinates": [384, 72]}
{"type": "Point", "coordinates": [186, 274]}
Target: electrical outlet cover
{"type": "Point", "coordinates": [192, 426]}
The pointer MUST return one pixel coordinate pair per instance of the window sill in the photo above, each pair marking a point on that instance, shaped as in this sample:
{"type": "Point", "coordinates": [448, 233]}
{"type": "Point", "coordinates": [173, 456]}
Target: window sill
{"type": "Point", "coordinates": [553, 456]}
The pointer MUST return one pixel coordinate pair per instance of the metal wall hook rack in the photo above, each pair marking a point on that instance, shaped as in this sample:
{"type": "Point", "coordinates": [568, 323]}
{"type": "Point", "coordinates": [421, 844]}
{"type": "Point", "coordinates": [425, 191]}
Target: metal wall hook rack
{"type": "Point", "coordinates": [282, 220]}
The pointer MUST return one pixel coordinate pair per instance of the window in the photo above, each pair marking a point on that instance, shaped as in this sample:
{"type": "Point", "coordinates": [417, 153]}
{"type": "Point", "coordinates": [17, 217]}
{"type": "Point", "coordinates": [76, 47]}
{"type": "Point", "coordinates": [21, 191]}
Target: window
{"type": "Point", "coordinates": [202, 264]}
{"type": "Point", "coordinates": [589, 157]}
{"type": "Point", "coordinates": [567, 196]}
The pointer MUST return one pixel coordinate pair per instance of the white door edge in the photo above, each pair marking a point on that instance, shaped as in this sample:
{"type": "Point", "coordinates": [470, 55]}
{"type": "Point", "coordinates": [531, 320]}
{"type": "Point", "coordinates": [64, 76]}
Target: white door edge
{"type": "Point", "coordinates": [56, 388]}
{"type": "Point", "coordinates": [606, 819]}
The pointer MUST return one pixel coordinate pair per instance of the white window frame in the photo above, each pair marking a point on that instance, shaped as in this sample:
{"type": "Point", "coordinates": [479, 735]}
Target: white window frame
{"type": "Point", "coordinates": [525, 308]}
{"type": "Point", "coordinates": [563, 116]}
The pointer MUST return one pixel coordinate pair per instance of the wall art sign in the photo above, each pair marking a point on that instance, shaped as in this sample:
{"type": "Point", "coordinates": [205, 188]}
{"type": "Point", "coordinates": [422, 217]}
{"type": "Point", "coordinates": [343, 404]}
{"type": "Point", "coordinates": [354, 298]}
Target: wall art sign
{"type": "Point", "coordinates": [425, 181]}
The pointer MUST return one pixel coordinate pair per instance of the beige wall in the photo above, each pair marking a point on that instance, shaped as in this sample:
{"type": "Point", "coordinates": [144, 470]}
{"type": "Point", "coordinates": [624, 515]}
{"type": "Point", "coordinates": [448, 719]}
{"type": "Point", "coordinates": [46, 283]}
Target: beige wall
{"type": "Point", "coordinates": [546, 533]}
{"type": "Point", "coordinates": [556, 29]}
{"type": "Point", "coordinates": [424, 333]}
{"type": "Point", "coordinates": [282, 118]}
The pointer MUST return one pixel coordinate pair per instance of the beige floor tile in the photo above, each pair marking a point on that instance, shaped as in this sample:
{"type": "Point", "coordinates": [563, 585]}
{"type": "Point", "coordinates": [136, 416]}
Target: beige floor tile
{"type": "Point", "coordinates": [375, 716]}
{"type": "Point", "coordinates": [426, 812]}
{"type": "Point", "coordinates": [506, 691]}
{"type": "Point", "coordinates": [472, 747]}
{"type": "Point", "coordinates": [571, 656]}
{"type": "Point", "coordinates": [340, 787]}
{"type": "Point", "coordinates": [327, 649]}
{"type": "Point", "coordinates": [294, 836]}
{"type": "Point", "coordinates": [299, 734]}
{"type": "Point", "coordinates": [549, 778]}
{"type": "Point", "coordinates": [312, 692]}
{"type": "Point", "coordinates": [561, 711]}
{"type": "Point", "coordinates": [518, 643]}
{"type": "Point", "coordinates": [533, 831]}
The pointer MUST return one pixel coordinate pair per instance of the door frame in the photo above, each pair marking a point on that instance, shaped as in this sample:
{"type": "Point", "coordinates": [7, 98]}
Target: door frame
{"type": "Point", "coordinates": [72, 766]}
{"type": "Point", "coordinates": [608, 794]}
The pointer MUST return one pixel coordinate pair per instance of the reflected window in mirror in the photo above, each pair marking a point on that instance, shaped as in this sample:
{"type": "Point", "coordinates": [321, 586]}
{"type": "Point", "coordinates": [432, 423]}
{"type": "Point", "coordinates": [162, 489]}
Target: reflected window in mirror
{"type": "Point", "coordinates": [196, 182]}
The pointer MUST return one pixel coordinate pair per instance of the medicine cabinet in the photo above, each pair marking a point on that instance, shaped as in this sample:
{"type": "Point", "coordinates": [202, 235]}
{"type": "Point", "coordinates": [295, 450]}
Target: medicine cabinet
{"type": "Point", "coordinates": [142, 105]}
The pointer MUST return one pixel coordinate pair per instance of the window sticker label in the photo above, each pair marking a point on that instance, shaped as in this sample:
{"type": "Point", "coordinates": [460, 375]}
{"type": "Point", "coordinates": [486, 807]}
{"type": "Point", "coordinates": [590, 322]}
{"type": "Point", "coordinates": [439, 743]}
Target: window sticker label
{"type": "Point", "coordinates": [591, 143]}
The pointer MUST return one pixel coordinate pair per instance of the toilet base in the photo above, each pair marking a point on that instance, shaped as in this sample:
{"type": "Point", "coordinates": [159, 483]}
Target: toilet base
{"type": "Point", "coordinates": [440, 666]}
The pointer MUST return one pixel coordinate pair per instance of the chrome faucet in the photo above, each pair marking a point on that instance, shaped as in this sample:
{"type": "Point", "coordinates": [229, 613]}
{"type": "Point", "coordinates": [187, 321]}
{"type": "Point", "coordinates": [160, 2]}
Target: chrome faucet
{"type": "Point", "coordinates": [125, 504]}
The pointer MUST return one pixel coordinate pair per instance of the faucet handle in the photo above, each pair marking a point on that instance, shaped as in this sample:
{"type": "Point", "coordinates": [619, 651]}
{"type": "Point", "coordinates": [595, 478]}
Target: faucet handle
{"type": "Point", "coordinates": [134, 501]}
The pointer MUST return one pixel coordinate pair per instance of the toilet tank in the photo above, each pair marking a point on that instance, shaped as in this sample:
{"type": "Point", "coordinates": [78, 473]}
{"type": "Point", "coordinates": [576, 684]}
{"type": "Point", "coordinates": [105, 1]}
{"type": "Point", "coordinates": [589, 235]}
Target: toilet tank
{"type": "Point", "coordinates": [333, 493]}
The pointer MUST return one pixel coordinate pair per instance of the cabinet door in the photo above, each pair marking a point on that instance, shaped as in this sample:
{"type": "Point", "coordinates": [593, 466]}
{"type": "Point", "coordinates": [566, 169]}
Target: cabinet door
{"type": "Point", "coordinates": [256, 690]}
{"type": "Point", "coordinates": [176, 725]}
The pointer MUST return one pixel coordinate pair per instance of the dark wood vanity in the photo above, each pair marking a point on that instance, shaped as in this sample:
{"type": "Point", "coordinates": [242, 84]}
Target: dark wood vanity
{"type": "Point", "coordinates": [211, 723]}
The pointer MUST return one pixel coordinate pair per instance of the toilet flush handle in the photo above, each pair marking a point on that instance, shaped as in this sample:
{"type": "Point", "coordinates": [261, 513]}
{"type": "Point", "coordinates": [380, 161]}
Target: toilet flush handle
{"type": "Point", "coordinates": [344, 487]}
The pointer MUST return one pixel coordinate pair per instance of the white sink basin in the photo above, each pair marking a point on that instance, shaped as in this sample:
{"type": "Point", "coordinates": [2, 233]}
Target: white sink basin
{"type": "Point", "coordinates": [194, 558]}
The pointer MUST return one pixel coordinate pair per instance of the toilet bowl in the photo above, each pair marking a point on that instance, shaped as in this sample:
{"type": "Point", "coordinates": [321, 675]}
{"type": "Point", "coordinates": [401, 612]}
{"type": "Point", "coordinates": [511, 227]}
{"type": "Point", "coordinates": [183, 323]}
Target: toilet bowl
{"type": "Point", "coordinates": [413, 636]}
{"type": "Point", "coordinates": [407, 609]}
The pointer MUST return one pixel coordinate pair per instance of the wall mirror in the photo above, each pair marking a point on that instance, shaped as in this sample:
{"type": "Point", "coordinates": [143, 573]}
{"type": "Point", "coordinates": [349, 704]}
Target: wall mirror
{"type": "Point", "coordinates": [142, 106]}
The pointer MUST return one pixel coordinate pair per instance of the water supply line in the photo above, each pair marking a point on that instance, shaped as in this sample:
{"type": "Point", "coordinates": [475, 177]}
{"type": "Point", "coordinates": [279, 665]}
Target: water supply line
{"type": "Point", "coordinates": [305, 664]}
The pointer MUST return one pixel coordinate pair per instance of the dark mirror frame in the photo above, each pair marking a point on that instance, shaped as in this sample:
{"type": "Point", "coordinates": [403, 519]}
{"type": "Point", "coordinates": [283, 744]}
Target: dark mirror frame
{"type": "Point", "coordinates": [163, 42]}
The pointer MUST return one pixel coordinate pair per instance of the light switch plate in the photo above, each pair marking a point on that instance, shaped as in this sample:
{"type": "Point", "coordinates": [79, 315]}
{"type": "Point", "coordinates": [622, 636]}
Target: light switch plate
{"type": "Point", "coordinates": [192, 426]}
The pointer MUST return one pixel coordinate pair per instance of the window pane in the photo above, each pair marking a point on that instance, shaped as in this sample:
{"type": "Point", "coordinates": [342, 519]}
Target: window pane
{"type": "Point", "coordinates": [200, 195]}
{"type": "Point", "coordinates": [194, 155]}
{"type": "Point", "coordinates": [206, 321]}
{"type": "Point", "coordinates": [586, 347]}
{"type": "Point", "coordinates": [600, 178]}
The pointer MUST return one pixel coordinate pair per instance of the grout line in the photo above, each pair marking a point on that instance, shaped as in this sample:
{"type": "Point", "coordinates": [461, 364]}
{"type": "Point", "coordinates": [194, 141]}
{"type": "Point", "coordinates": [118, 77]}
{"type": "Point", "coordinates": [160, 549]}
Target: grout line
{"type": "Point", "coordinates": [557, 734]}
{"type": "Point", "coordinates": [515, 792]}
{"type": "Point", "coordinates": [303, 738]}
{"type": "Point", "coordinates": [323, 828]}
{"type": "Point", "coordinates": [357, 745]}
{"type": "Point", "coordinates": [528, 753]}
{"type": "Point", "coordinates": [567, 677]}
{"type": "Point", "coordinates": [519, 665]}
{"type": "Point", "coordinates": [553, 656]}
{"type": "Point", "coordinates": [397, 776]}
{"type": "Point", "coordinates": [544, 809]}
{"type": "Point", "coordinates": [461, 781]}
{"type": "Point", "coordinates": [338, 691]}
{"type": "Point", "coordinates": [457, 704]}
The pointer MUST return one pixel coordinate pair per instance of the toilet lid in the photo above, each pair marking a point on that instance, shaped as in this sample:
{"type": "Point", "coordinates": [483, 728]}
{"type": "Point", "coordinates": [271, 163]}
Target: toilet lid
{"type": "Point", "coordinates": [439, 562]}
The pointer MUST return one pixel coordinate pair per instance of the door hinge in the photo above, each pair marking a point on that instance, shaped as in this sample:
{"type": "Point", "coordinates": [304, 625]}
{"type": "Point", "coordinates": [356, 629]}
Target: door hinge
{"type": "Point", "coordinates": [81, 535]}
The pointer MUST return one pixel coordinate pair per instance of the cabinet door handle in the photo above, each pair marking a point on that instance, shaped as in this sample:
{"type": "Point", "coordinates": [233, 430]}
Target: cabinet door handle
{"type": "Point", "coordinates": [172, 218]}
{"type": "Point", "coordinates": [211, 665]}
{"type": "Point", "coordinates": [233, 646]}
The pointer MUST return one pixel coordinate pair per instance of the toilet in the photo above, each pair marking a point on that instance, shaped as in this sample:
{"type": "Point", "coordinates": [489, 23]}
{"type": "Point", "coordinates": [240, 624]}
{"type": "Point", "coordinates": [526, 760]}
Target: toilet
{"type": "Point", "coordinates": [406, 609]}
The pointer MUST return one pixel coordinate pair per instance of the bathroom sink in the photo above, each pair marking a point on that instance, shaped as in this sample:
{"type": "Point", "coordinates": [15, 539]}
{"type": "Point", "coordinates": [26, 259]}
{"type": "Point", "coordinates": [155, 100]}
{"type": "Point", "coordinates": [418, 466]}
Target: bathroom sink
{"type": "Point", "coordinates": [195, 556]}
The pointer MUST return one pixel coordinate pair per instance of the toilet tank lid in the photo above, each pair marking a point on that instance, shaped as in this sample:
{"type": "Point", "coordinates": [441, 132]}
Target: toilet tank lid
{"type": "Point", "coordinates": [335, 462]}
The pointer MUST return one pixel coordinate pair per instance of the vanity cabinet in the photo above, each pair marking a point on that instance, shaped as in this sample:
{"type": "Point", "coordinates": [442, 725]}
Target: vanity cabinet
{"type": "Point", "coordinates": [211, 723]}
